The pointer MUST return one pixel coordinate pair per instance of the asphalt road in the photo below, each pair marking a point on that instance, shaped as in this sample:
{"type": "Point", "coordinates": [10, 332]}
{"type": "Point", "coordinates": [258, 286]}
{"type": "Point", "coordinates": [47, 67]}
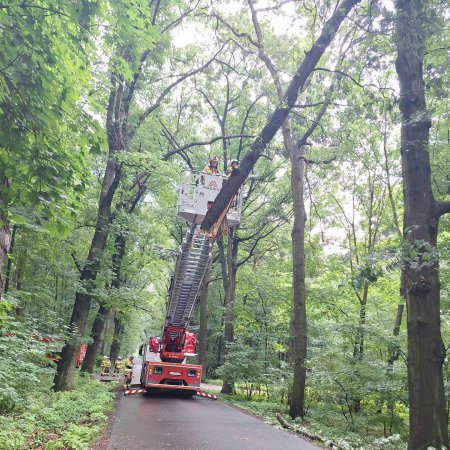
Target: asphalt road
{"type": "Point", "coordinates": [171, 422]}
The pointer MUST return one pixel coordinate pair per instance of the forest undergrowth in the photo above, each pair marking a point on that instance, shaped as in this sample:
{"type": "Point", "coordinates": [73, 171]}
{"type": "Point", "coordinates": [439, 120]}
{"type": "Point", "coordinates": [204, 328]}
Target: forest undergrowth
{"type": "Point", "coordinates": [62, 420]}
{"type": "Point", "coordinates": [32, 415]}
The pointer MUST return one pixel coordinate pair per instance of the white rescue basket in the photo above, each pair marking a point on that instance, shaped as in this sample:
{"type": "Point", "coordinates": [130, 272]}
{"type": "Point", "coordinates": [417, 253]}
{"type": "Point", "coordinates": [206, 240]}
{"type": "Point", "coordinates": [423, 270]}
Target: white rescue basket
{"type": "Point", "coordinates": [197, 193]}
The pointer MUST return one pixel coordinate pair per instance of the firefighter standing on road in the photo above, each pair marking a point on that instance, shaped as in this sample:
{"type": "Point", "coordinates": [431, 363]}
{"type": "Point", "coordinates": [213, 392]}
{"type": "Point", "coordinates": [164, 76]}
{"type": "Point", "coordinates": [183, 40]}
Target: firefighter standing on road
{"type": "Point", "coordinates": [106, 365]}
{"type": "Point", "coordinates": [128, 372]}
{"type": "Point", "coordinates": [212, 167]}
{"type": "Point", "coordinates": [118, 366]}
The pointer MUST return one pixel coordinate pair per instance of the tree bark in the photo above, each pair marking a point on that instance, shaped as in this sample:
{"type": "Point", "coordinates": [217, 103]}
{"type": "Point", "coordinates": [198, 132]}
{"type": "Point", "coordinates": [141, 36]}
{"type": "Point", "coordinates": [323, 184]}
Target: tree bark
{"type": "Point", "coordinates": [203, 333]}
{"type": "Point", "coordinates": [66, 365]}
{"type": "Point", "coordinates": [228, 336]}
{"type": "Point", "coordinates": [10, 259]}
{"type": "Point", "coordinates": [426, 352]}
{"type": "Point", "coordinates": [5, 242]}
{"type": "Point", "coordinates": [116, 343]}
{"type": "Point", "coordinates": [96, 333]}
{"type": "Point", "coordinates": [299, 324]}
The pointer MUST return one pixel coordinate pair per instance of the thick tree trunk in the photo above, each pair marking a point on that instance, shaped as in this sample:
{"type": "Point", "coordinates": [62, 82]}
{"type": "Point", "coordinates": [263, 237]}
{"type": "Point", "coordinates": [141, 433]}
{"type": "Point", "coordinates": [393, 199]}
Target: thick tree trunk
{"type": "Point", "coordinates": [394, 350]}
{"type": "Point", "coordinates": [96, 334]}
{"type": "Point", "coordinates": [298, 284]}
{"type": "Point", "coordinates": [66, 365]}
{"type": "Point", "coordinates": [426, 352]}
{"type": "Point", "coordinates": [394, 353]}
{"type": "Point", "coordinates": [228, 336]}
{"type": "Point", "coordinates": [116, 343]}
{"type": "Point", "coordinates": [99, 322]}
{"type": "Point", "coordinates": [203, 332]}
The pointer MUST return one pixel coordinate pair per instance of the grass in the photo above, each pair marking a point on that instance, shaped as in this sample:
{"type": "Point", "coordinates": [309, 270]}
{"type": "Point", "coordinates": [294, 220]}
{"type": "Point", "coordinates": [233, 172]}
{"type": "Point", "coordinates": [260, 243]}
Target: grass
{"type": "Point", "coordinates": [215, 382]}
{"type": "Point", "coordinates": [59, 420]}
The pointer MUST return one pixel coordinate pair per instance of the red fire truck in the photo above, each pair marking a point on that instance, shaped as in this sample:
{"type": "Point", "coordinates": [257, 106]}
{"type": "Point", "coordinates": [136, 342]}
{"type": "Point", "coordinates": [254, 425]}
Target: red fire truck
{"type": "Point", "coordinates": [164, 358]}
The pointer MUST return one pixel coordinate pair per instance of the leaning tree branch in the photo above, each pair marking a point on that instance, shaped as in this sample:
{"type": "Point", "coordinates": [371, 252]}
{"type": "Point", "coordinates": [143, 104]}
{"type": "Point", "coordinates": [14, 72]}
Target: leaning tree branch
{"type": "Point", "coordinates": [312, 57]}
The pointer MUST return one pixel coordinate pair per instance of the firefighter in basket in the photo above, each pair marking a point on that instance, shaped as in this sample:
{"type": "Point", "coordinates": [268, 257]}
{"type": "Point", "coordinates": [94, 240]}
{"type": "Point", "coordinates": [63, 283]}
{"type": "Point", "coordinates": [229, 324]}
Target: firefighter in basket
{"type": "Point", "coordinates": [106, 365]}
{"type": "Point", "coordinates": [212, 167]}
{"type": "Point", "coordinates": [234, 164]}
{"type": "Point", "coordinates": [128, 372]}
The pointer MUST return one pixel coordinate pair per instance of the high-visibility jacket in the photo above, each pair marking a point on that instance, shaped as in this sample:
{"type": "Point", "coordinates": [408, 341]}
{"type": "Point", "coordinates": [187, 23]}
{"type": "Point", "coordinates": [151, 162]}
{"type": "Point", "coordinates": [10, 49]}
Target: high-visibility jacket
{"type": "Point", "coordinates": [211, 170]}
{"type": "Point", "coordinates": [119, 364]}
{"type": "Point", "coordinates": [129, 364]}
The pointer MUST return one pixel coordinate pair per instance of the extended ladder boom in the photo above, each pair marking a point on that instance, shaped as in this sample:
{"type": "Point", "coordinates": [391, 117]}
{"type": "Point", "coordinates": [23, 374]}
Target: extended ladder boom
{"type": "Point", "coordinates": [189, 272]}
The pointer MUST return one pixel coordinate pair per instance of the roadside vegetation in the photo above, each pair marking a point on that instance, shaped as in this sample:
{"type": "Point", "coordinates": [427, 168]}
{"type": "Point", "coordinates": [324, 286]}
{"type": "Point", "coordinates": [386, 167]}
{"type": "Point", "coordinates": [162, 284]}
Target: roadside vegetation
{"type": "Point", "coordinates": [329, 413]}
{"type": "Point", "coordinates": [31, 414]}
{"type": "Point", "coordinates": [323, 425]}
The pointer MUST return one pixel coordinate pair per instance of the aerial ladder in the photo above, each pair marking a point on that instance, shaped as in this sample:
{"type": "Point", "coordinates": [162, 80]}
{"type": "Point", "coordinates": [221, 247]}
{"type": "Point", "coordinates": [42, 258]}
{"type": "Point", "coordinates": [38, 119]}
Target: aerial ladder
{"type": "Point", "coordinates": [164, 364]}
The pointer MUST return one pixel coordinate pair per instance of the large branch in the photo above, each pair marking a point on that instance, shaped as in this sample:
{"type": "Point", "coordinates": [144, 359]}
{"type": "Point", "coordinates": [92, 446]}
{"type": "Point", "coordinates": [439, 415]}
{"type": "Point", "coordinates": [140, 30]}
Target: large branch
{"type": "Point", "coordinates": [443, 208]}
{"type": "Point", "coordinates": [169, 88]}
{"type": "Point", "coordinates": [302, 141]}
{"type": "Point", "coordinates": [238, 177]}
{"type": "Point", "coordinates": [167, 155]}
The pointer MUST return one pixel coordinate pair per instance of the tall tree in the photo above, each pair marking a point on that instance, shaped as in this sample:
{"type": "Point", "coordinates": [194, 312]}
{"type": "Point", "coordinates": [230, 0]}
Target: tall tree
{"type": "Point", "coordinates": [426, 351]}
{"type": "Point", "coordinates": [129, 64]}
{"type": "Point", "coordinates": [42, 79]}
{"type": "Point", "coordinates": [279, 115]}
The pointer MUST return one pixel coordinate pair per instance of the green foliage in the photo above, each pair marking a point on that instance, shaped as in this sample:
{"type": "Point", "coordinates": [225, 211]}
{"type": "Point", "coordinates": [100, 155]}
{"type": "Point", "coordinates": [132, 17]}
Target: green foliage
{"type": "Point", "coordinates": [10, 440]}
{"type": "Point", "coordinates": [242, 364]}
{"type": "Point", "coordinates": [76, 437]}
{"type": "Point", "coordinates": [25, 368]}
{"type": "Point", "coordinates": [76, 417]}
{"type": "Point", "coordinates": [59, 62]}
{"type": "Point", "coordinates": [45, 134]}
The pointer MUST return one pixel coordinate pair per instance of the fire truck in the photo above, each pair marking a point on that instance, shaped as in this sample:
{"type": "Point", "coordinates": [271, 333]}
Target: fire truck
{"type": "Point", "coordinates": [164, 365]}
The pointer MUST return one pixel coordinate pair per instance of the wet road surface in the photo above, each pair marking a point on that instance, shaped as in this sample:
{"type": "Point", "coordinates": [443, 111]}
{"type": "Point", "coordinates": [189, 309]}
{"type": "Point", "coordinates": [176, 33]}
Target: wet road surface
{"type": "Point", "coordinates": [171, 422]}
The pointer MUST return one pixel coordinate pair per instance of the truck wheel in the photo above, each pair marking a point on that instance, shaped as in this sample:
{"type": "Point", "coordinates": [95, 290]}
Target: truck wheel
{"type": "Point", "coordinates": [188, 394]}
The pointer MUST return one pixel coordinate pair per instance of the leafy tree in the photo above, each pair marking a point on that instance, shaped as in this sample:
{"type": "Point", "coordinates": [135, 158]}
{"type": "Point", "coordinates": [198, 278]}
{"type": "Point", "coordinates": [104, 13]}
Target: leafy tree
{"type": "Point", "coordinates": [426, 351]}
{"type": "Point", "coordinates": [44, 74]}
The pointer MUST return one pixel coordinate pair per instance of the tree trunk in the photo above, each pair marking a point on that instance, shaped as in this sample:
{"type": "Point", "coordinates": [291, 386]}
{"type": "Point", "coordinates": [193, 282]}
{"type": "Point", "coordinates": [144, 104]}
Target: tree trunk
{"type": "Point", "coordinates": [66, 365]}
{"type": "Point", "coordinates": [116, 343]}
{"type": "Point", "coordinates": [96, 333]}
{"type": "Point", "coordinates": [426, 352]}
{"type": "Point", "coordinates": [298, 284]}
{"type": "Point", "coordinates": [10, 259]}
{"type": "Point", "coordinates": [5, 242]}
{"type": "Point", "coordinates": [394, 353]}
{"type": "Point", "coordinates": [232, 244]}
{"type": "Point", "coordinates": [99, 322]}
{"type": "Point", "coordinates": [203, 333]}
